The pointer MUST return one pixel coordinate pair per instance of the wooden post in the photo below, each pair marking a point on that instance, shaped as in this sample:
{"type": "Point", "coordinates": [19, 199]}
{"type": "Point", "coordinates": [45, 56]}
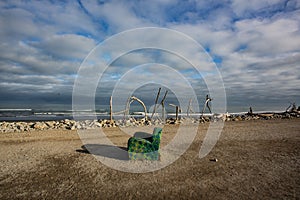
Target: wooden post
{"type": "Point", "coordinates": [163, 111]}
{"type": "Point", "coordinates": [163, 105]}
{"type": "Point", "coordinates": [154, 109]}
{"type": "Point", "coordinates": [177, 108]}
{"type": "Point", "coordinates": [110, 110]}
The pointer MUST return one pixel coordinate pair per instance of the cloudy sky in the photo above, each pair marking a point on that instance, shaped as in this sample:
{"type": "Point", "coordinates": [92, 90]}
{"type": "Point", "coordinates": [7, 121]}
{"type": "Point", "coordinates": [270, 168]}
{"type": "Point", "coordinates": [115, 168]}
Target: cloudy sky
{"type": "Point", "coordinates": [255, 45]}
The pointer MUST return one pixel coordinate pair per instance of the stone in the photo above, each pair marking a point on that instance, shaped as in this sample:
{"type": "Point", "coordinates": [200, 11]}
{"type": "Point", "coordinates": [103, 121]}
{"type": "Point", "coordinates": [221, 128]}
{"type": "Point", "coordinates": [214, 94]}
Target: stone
{"type": "Point", "coordinates": [39, 125]}
{"type": "Point", "coordinates": [19, 126]}
{"type": "Point", "coordinates": [148, 122]}
{"type": "Point", "coordinates": [207, 119]}
{"type": "Point", "coordinates": [50, 124]}
{"type": "Point", "coordinates": [238, 118]}
{"type": "Point", "coordinates": [97, 124]}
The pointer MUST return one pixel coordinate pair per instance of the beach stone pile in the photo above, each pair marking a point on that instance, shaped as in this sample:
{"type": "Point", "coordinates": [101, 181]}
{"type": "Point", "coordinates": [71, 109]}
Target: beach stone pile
{"type": "Point", "coordinates": [48, 125]}
{"type": "Point", "coordinates": [68, 124]}
{"type": "Point", "coordinates": [247, 116]}
{"type": "Point", "coordinates": [135, 123]}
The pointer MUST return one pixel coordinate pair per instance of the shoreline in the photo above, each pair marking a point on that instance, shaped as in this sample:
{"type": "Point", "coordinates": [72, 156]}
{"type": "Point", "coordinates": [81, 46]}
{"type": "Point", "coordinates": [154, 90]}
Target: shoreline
{"type": "Point", "coordinates": [67, 124]}
{"type": "Point", "coordinates": [32, 115]}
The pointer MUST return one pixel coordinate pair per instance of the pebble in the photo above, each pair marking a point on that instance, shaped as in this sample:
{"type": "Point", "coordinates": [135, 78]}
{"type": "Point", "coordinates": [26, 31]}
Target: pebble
{"type": "Point", "coordinates": [214, 159]}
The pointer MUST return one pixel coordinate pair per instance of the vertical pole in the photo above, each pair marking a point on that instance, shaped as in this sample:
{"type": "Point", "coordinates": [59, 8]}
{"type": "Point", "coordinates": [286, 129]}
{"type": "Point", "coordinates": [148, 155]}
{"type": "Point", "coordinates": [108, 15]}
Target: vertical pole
{"type": "Point", "coordinates": [110, 109]}
{"type": "Point", "coordinates": [163, 105]}
{"type": "Point", "coordinates": [177, 108]}
{"type": "Point", "coordinates": [154, 109]}
{"type": "Point", "coordinates": [163, 111]}
{"type": "Point", "coordinates": [205, 104]}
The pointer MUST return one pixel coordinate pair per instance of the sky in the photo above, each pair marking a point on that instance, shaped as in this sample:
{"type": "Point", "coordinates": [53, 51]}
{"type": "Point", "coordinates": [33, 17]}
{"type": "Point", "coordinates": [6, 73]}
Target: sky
{"type": "Point", "coordinates": [254, 44]}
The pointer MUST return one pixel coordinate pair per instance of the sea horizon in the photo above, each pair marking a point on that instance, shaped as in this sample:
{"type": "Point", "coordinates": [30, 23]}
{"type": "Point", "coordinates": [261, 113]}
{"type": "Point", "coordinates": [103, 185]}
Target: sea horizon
{"type": "Point", "coordinates": [58, 113]}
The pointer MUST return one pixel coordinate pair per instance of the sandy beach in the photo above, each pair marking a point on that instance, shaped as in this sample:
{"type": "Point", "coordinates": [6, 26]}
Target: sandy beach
{"type": "Point", "coordinates": [257, 159]}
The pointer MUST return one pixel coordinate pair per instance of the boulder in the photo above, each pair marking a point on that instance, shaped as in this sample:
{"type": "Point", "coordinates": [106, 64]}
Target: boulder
{"type": "Point", "coordinates": [238, 118]}
{"type": "Point", "coordinates": [50, 124]}
{"type": "Point", "coordinates": [40, 125]}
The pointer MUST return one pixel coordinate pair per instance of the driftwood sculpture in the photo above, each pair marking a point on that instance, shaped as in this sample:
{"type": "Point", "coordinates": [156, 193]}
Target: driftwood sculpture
{"type": "Point", "coordinates": [162, 103]}
{"type": "Point", "coordinates": [130, 101]}
{"type": "Point", "coordinates": [206, 104]}
{"type": "Point", "coordinates": [110, 110]}
{"type": "Point", "coordinates": [154, 109]}
{"type": "Point", "coordinates": [292, 108]}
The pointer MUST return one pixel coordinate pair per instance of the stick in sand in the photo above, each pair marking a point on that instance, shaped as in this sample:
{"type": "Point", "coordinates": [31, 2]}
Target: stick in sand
{"type": "Point", "coordinates": [163, 105]}
{"type": "Point", "coordinates": [178, 109]}
{"type": "Point", "coordinates": [208, 99]}
{"type": "Point", "coordinates": [110, 109]}
{"type": "Point", "coordinates": [154, 109]}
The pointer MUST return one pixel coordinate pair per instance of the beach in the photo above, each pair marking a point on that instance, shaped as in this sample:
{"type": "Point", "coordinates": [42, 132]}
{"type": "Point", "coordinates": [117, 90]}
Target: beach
{"type": "Point", "coordinates": [254, 159]}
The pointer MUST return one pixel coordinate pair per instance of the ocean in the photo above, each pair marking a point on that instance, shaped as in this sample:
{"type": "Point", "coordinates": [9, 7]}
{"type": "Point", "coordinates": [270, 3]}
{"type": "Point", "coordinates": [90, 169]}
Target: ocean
{"type": "Point", "coordinates": [49, 114]}
{"type": "Point", "coordinates": [28, 114]}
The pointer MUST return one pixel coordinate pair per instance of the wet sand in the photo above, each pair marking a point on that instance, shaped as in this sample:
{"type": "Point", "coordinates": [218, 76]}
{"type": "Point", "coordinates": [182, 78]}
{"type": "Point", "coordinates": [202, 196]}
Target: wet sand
{"type": "Point", "coordinates": [257, 159]}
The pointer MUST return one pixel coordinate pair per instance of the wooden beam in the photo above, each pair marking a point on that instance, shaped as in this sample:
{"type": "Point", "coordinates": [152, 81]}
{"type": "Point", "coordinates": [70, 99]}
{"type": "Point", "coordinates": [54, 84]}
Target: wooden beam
{"type": "Point", "coordinates": [154, 109]}
{"type": "Point", "coordinates": [110, 110]}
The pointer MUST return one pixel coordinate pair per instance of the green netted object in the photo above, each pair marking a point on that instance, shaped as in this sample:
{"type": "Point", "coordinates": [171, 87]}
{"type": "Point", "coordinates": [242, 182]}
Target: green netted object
{"type": "Point", "coordinates": [145, 148]}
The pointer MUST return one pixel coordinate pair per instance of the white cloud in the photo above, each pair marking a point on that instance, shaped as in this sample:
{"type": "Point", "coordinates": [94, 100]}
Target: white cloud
{"type": "Point", "coordinates": [33, 60]}
{"type": "Point", "coordinates": [269, 37]}
{"type": "Point", "coordinates": [68, 46]}
{"type": "Point", "coordinates": [118, 16]}
{"type": "Point", "coordinates": [16, 24]}
{"type": "Point", "coordinates": [240, 7]}
{"type": "Point", "coordinates": [255, 42]}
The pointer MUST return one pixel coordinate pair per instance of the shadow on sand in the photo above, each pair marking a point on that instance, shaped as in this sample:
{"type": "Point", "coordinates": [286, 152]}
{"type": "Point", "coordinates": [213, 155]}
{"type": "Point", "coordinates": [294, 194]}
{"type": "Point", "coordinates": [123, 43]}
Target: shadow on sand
{"type": "Point", "coordinates": [109, 151]}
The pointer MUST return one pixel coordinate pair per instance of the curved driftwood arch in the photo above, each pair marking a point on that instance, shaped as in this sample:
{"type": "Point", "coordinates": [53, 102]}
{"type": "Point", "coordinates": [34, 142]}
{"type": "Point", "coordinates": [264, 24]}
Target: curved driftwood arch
{"type": "Point", "coordinates": [130, 101]}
